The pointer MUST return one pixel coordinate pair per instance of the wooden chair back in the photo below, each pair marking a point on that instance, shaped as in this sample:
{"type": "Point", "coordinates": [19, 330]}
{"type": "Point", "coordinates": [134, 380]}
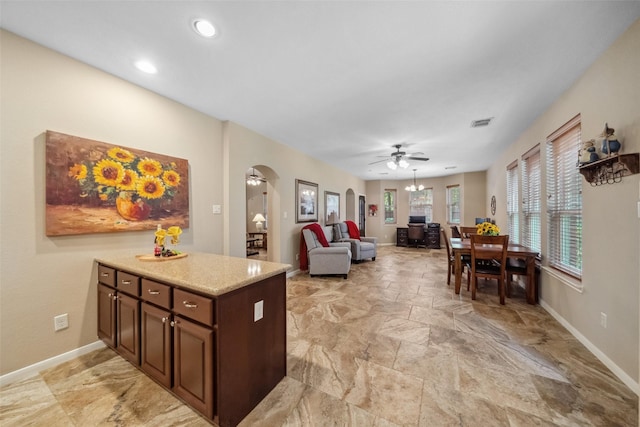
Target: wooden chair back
{"type": "Point", "coordinates": [489, 260]}
{"type": "Point", "coordinates": [468, 231]}
{"type": "Point", "coordinates": [455, 232]}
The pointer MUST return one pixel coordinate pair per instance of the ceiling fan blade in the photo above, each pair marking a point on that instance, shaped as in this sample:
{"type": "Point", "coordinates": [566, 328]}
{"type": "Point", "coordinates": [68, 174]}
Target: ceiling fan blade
{"type": "Point", "coordinates": [424, 159]}
{"type": "Point", "coordinates": [417, 153]}
{"type": "Point", "coordinates": [380, 161]}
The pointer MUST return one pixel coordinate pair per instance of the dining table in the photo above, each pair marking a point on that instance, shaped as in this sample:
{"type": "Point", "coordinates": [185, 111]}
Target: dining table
{"type": "Point", "coordinates": [461, 247]}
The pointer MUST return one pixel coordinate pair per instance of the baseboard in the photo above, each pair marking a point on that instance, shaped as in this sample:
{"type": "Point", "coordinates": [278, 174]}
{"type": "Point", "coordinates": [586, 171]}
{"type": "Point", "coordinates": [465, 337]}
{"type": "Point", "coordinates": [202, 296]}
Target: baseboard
{"type": "Point", "coordinates": [29, 371]}
{"type": "Point", "coordinates": [622, 375]}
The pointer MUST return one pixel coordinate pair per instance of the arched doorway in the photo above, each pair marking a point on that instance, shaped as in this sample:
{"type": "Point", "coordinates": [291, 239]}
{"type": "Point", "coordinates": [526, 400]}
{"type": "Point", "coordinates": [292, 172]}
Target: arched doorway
{"type": "Point", "coordinates": [262, 214]}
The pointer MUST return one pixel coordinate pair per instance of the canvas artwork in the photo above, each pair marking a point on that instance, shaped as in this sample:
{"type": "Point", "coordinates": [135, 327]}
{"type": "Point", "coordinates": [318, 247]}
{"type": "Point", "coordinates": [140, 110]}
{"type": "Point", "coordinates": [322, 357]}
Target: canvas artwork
{"type": "Point", "coordinates": [306, 201]}
{"type": "Point", "coordinates": [97, 187]}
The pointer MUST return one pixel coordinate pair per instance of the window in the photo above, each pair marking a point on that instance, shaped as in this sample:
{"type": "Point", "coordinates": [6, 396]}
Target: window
{"type": "Point", "coordinates": [421, 203]}
{"type": "Point", "coordinates": [564, 192]}
{"type": "Point", "coordinates": [513, 211]}
{"type": "Point", "coordinates": [531, 207]}
{"type": "Point", "coordinates": [389, 206]}
{"type": "Point", "coordinates": [453, 204]}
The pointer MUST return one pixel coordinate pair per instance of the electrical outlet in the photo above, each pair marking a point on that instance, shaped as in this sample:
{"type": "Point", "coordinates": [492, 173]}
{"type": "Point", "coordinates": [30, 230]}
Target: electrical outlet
{"type": "Point", "coordinates": [61, 322]}
{"type": "Point", "coordinates": [603, 320]}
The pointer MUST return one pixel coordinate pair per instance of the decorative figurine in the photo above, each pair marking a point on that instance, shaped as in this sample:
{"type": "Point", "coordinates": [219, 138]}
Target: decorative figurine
{"type": "Point", "coordinates": [610, 143]}
{"type": "Point", "coordinates": [587, 152]}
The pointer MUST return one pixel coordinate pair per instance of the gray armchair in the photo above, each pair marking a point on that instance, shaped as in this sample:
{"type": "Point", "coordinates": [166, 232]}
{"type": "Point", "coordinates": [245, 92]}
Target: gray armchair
{"type": "Point", "coordinates": [335, 259]}
{"type": "Point", "coordinates": [362, 249]}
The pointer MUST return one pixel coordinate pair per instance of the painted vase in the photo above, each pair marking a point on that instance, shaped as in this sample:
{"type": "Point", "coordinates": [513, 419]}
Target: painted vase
{"type": "Point", "coordinates": [133, 211]}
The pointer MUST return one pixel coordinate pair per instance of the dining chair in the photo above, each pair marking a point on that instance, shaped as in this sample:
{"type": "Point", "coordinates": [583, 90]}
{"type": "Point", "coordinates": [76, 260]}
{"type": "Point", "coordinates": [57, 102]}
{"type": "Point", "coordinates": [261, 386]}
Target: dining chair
{"type": "Point", "coordinates": [468, 231]}
{"type": "Point", "coordinates": [455, 233]}
{"type": "Point", "coordinates": [451, 269]}
{"type": "Point", "coordinates": [489, 260]}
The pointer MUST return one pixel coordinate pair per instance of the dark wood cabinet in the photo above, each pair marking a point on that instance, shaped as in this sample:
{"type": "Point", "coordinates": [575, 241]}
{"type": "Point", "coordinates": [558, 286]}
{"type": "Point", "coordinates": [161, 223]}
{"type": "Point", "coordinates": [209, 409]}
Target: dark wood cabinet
{"type": "Point", "coordinates": [156, 337]}
{"type": "Point", "coordinates": [215, 352]}
{"type": "Point", "coordinates": [402, 236]}
{"type": "Point", "coordinates": [193, 359]}
{"type": "Point", "coordinates": [433, 237]}
{"type": "Point", "coordinates": [128, 327]}
{"type": "Point", "coordinates": [107, 315]}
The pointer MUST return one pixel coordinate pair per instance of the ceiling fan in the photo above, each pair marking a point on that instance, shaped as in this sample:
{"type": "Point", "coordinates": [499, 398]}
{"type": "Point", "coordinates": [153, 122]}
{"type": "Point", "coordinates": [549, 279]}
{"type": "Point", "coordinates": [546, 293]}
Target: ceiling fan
{"type": "Point", "coordinates": [254, 179]}
{"type": "Point", "coordinates": [399, 158]}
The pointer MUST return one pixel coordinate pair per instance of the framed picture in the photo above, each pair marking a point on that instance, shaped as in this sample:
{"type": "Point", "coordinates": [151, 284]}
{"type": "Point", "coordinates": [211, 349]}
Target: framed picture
{"type": "Point", "coordinates": [331, 207]}
{"type": "Point", "coordinates": [306, 201]}
{"type": "Point", "coordinates": [373, 210]}
{"type": "Point", "coordinates": [97, 187]}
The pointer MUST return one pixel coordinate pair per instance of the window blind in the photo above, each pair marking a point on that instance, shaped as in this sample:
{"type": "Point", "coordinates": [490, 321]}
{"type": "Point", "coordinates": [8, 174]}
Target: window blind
{"type": "Point", "coordinates": [531, 204]}
{"type": "Point", "coordinates": [421, 203]}
{"type": "Point", "coordinates": [453, 204]}
{"type": "Point", "coordinates": [513, 220]}
{"type": "Point", "coordinates": [564, 205]}
{"type": "Point", "coordinates": [389, 206]}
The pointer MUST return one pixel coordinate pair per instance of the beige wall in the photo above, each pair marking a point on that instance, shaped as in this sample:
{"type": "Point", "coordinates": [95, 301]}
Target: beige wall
{"type": "Point", "coordinates": [45, 276]}
{"type": "Point", "coordinates": [609, 91]}
{"type": "Point", "coordinates": [472, 192]}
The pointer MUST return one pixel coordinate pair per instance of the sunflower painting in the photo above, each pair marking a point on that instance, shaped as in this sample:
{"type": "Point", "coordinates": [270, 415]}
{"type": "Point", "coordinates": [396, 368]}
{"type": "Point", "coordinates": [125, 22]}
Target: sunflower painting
{"type": "Point", "coordinates": [96, 187]}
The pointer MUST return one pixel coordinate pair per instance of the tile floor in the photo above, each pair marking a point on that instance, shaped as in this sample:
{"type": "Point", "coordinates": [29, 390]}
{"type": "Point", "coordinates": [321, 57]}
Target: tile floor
{"type": "Point", "coordinates": [390, 346]}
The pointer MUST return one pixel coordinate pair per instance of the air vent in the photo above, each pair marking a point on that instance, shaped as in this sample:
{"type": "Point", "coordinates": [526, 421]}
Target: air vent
{"type": "Point", "coordinates": [481, 122]}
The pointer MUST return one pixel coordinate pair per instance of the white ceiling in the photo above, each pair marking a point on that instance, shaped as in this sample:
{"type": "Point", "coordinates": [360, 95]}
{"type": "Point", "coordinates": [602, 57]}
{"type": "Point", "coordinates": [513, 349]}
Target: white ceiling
{"type": "Point", "coordinates": [344, 81]}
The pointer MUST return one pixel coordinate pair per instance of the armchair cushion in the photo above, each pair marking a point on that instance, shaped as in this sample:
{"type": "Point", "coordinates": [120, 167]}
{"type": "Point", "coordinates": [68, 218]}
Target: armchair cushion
{"type": "Point", "coordinates": [364, 248]}
{"type": "Point", "coordinates": [332, 259]}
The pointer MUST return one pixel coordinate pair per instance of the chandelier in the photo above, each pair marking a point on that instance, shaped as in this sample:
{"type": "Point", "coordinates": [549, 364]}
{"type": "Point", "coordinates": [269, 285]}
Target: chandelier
{"type": "Point", "coordinates": [414, 187]}
{"type": "Point", "coordinates": [253, 179]}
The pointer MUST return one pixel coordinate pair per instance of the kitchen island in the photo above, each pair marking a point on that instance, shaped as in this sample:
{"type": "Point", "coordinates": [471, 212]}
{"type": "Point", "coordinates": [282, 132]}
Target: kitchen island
{"type": "Point", "coordinates": [209, 328]}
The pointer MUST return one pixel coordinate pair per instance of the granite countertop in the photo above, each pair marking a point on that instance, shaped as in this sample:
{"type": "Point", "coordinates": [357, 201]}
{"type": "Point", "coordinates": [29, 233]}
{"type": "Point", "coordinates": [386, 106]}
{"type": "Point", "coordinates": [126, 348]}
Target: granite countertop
{"type": "Point", "coordinates": [208, 273]}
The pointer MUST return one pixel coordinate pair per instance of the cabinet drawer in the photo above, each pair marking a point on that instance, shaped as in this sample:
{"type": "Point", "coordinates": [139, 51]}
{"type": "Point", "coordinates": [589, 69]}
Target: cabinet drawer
{"type": "Point", "coordinates": [128, 283]}
{"type": "Point", "coordinates": [156, 293]}
{"type": "Point", "coordinates": [106, 275]}
{"type": "Point", "coordinates": [193, 306]}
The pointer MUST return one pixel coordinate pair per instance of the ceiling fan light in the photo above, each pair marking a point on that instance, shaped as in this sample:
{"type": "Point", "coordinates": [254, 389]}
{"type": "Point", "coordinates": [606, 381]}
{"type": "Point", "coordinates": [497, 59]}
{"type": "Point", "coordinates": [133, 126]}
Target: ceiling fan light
{"type": "Point", "coordinates": [392, 165]}
{"type": "Point", "coordinates": [420, 187]}
{"type": "Point", "coordinates": [403, 164]}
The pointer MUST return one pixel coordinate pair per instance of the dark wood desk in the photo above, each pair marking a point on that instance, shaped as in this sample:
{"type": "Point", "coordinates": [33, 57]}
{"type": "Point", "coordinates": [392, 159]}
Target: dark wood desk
{"type": "Point", "coordinates": [251, 241]}
{"type": "Point", "coordinates": [261, 236]}
{"type": "Point", "coordinates": [463, 247]}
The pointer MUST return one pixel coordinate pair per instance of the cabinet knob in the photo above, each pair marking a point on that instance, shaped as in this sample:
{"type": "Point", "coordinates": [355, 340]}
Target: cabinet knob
{"type": "Point", "coordinates": [190, 304]}
{"type": "Point", "coordinates": [154, 292]}
{"type": "Point", "coordinates": [173, 323]}
{"type": "Point", "coordinates": [164, 320]}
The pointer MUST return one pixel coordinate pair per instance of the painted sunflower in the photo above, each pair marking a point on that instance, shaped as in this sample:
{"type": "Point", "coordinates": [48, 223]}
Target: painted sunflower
{"type": "Point", "coordinates": [149, 167]}
{"type": "Point", "coordinates": [129, 181]}
{"type": "Point", "coordinates": [78, 171]}
{"type": "Point", "coordinates": [108, 172]}
{"type": "Point", "coordinates": [171, 178]}
{"type": "Point", "coordinates": [121, 155]}
{"type": "Point", "coordinates": [150, 187]}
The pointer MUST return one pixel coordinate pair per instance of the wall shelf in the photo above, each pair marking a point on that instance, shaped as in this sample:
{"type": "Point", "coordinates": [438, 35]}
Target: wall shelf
{"type": "Point", "coordinates": [611, 169]}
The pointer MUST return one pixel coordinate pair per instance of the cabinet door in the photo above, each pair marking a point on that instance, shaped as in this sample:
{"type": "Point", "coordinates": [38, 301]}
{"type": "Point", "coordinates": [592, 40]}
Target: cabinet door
{"type": "Point", "coordinates": [155, 333]}
{"type": "Point", "coordinates": [193, 365]}
{"type": "Point", "coordinates": [107, 315]}
{"type": "Point", "coordinates": [128, 327]}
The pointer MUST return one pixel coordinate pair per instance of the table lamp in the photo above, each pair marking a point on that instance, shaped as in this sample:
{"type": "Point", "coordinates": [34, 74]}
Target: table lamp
{"type": "Point", "coordinates": [258, 219]}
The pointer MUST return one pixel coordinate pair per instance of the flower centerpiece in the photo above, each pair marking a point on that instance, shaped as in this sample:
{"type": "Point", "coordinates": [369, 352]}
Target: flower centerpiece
{"type": "Point", "coordinates": [161, 234]}
{"type": "Point", "coordinates": [130, 182]}
{"type": "Point", "coordinates": [488, 229]}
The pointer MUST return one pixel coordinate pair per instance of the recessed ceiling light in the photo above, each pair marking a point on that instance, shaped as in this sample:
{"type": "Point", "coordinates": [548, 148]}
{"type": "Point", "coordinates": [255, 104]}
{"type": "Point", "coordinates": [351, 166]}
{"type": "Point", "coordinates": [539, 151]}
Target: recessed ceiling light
{"type": "Point", "coordinates": [146, 67]}
{"type": "Point", "coordinates": [450, 167]}
{"type": "Point", "coordinates": [481, 122]}
{"type": "Point", "coordinates": [204, 28]}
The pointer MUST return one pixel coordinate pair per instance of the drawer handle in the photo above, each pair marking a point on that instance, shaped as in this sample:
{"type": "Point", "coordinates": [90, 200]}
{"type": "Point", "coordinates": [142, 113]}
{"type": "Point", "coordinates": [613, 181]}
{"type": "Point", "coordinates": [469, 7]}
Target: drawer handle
{"type": "Point", "coordinates": [126, 282]}
{"type": "Point", "coordinates": [104, 274]}
{"type": "Point", "coordinates": [190, 304]}
{"type": "Point", "coordinates": [154, 292]}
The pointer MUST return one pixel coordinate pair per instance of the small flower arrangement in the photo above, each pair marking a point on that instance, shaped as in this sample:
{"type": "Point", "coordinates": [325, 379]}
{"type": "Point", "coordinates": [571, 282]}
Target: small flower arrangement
{"type": "Point", "coordinates": [124, 175]}
{"type": "Point", "coordinates": [161, 235]}
{"type": "Point", "coordinates": [488, 229]}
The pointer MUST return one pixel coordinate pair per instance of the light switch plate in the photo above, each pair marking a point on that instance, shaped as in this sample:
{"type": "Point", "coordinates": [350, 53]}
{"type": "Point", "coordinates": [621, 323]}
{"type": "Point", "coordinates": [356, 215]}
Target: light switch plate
{"type": "Point", "coordinates": [217, 209]}
{"type": "Point", "coordinates": [258, 310]}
